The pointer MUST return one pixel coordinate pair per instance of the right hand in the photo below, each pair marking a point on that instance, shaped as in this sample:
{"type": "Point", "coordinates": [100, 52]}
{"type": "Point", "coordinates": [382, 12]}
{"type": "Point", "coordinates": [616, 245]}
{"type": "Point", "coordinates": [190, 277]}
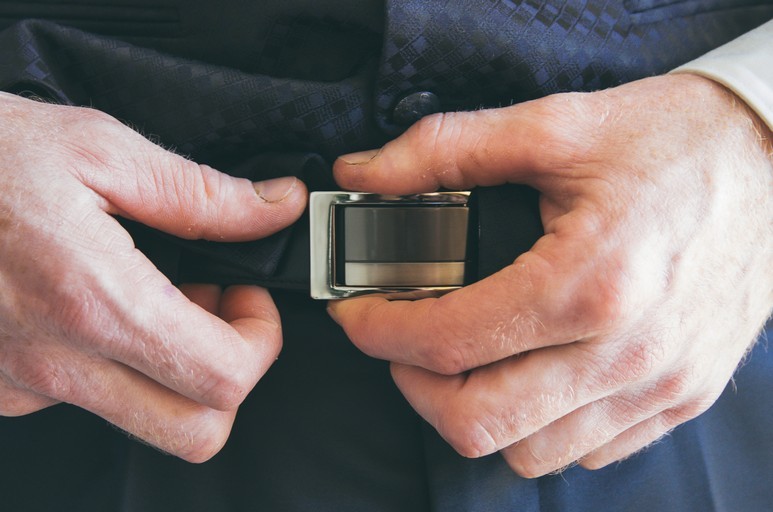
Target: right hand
{"type": "Point", "coordinates": [629, 316]}
{"type": "Point", "coordinates": [86, 319]}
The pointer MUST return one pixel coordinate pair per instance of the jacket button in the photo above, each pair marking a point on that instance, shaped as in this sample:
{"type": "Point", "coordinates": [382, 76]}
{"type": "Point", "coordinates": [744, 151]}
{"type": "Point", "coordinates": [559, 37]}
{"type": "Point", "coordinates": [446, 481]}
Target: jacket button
{"type": "Point", "coordinates": [414, 106]}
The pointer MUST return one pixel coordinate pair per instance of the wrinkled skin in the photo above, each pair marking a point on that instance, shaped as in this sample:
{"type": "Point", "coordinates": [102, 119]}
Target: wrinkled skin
{"type": "Point", "coordinates": [85, 318]}
{"type": "Point", "coordinates": [629, 316]}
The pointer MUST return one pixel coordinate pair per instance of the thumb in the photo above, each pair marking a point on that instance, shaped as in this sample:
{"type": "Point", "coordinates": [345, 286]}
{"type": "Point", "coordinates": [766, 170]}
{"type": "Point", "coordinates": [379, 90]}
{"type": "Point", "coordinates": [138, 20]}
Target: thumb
{"type": "Point", "coordinates": [461, 150]}
{"type": "Point", "coordinates": [144, 182]}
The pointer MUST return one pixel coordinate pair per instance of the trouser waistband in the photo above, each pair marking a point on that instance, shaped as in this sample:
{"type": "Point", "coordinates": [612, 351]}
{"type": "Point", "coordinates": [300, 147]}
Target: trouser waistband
{"type": "Point", "coordinates": [499, 224]}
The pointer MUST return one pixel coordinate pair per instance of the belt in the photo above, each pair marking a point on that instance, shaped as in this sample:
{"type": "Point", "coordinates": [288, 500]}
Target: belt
{"type": "Point", "coordinates": [349, 244]}
{"type": "Point", "coordinates": [369, 243]}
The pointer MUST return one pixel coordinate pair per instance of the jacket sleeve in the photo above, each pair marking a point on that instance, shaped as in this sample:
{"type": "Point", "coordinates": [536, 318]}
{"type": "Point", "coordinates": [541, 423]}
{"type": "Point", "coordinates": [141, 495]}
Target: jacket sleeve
{"type": "Point", "coordinates": [745, 66]}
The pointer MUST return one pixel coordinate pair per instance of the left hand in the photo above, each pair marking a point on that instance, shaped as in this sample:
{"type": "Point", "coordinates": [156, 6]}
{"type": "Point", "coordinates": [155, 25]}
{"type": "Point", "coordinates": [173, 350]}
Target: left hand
{"type": "Point", "coordinates": [629, 316]}
{"type": "Point", "coordinates": [87, 319]}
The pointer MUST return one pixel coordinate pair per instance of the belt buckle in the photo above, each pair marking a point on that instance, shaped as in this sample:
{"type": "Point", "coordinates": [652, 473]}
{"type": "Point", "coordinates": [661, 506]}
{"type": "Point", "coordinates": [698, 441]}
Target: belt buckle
{"type": "Point", "coordinates": [398, 246]}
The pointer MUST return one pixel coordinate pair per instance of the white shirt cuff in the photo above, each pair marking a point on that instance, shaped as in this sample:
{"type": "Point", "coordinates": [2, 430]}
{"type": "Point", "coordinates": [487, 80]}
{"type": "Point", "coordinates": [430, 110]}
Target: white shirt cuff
{"type": "Point", "coordinates": [745, 66]}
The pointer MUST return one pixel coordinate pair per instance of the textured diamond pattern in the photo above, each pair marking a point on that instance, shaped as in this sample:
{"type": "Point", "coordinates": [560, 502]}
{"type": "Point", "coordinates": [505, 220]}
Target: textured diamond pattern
{"type": "Point", "coordinates": [200, 109]}
{"type": "Point", "coordinates": [489, 53]}
{"type": "Point", "coordinates": [469, 53]}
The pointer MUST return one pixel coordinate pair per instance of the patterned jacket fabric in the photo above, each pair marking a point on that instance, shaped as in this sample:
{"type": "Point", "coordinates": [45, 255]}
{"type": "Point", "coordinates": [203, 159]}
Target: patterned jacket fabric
{"type": "Point", "coordinates": [266, 91]}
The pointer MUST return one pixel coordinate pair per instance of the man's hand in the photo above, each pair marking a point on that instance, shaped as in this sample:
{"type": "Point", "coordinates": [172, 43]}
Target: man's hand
{"type": "Point", "coordinates": [632, 312]}
{"type": "Point", "coordinates": [85, 318]}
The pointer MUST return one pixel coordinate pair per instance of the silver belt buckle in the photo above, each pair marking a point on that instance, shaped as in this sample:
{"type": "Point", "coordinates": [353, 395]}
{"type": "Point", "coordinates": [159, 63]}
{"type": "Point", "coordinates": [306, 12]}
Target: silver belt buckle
{"type": "Point", "coordinates": [405, 246]}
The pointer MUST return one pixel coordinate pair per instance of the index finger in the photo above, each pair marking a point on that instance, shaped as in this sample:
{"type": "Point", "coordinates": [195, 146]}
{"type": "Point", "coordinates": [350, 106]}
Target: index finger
{"type": "Point", "coordinates": [123, 309]}
{"type": "Point", "coordinates": [535, 302]}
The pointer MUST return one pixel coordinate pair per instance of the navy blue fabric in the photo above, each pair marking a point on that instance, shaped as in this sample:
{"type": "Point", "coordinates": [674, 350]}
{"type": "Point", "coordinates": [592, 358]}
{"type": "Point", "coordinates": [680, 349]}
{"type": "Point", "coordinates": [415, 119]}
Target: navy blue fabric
{"type": "Point", "coordinates": [326, 430]}
{"type": "Point", "coordinates": [721, 461]}
{"type": "Point", "coordinates": [473, 53]}
{"type": "Point", "coordinates": [267, 77]}
{"type": "Point", "coordinates": [277, 87]}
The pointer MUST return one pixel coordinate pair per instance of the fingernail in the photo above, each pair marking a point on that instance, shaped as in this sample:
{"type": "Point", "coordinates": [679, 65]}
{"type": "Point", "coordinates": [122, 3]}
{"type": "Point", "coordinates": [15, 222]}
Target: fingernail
{"type": "Point", "coordinates": [274, 191]}
{"type": "Point", "coordinates": [363, 157]}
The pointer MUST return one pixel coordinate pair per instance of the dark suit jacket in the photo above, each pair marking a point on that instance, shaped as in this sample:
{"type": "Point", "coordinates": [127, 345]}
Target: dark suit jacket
{"type": "Point", "coordinates": [276, 87]}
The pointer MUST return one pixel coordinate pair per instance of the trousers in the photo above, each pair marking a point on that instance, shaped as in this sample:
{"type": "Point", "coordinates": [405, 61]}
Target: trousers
{"type": "Point", "coordinates": [326, 430]}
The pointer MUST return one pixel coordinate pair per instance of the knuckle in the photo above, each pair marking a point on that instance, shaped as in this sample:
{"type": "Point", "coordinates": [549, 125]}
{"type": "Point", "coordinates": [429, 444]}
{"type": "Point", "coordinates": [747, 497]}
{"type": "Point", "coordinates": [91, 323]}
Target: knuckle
{"type": "Point", "coordinates": [196, 192]}
{"type": "Point", "coordinates": [190, 181]}
{"type": "Point", "coordinates": [433, 131]}
{"type": "Point", "coordinates": [593, 463]}
{"type": "Point", "coordinates": [523, 459]}
{"type": "Point", "coordinates": [201, 438]}
{"type": "Point", "coordinates": [675, 416]}
{"type": "Point", "coordinates": [177, 179]}
{"type": "Point", "coordinates": [467, 432]}
{"type": "Point", "coordinates": [208, 442]}
{"type": "Point", "coordinates": [439, 135]}
{"type": "Point", "coordinates": [212, 184]}
{"type": "Point", "coordinates": [673, 389]}
{"type": "Point", "coordinates": [639, 357]}
{"type": "Point", "coordinates": [445, 358]}
{"type": "Point", "coordinates": [627, 410]}
{"type": "Point", "coordinates": [76, 311]}
{"type": "Point", "coordinates": [600, 307]}
{"type": "Point", "coordinates": [92, 122]}
{"type": "Point", "coordinates": [225, 389]}
{"type": "Point", "coordinates": [451, 352]}
{"type": "Point", "coordinates": [597, 305]}
{"type": "Point", "coordinates": [15, 403]}
{"type": "Point", "coordinates": [92, 126]}
{"type": "Point", "coordinates": [86, 115]}
{"type": "Point", "coordinates": [41, 376]}
{"type": "Point", "coordinates": [560, 129]}
{"type": "Point", "coordinates": [636, 360]}
{"type": "Point", "coordinates": [527, 464]}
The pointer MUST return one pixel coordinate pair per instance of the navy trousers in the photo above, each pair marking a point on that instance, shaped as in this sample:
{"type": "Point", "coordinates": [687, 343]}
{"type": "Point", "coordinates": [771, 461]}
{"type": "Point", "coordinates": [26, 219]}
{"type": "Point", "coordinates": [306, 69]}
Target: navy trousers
{"type": "Point", "coordinates": [326, 430]}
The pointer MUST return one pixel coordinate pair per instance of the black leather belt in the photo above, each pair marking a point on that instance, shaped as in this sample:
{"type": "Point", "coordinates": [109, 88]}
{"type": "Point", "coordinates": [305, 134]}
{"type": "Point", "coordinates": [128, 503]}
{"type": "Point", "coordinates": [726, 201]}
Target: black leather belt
{"type": "Point", "coordinates": [418, 245]}
{"type": "Point", "coordinates": [350, 244]}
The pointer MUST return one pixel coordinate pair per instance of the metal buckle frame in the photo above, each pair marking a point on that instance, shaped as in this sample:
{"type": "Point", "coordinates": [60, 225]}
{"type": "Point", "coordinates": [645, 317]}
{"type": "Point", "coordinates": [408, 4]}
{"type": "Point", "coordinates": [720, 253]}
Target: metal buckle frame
{"type": "Point", "coordinates": [324, 207]}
